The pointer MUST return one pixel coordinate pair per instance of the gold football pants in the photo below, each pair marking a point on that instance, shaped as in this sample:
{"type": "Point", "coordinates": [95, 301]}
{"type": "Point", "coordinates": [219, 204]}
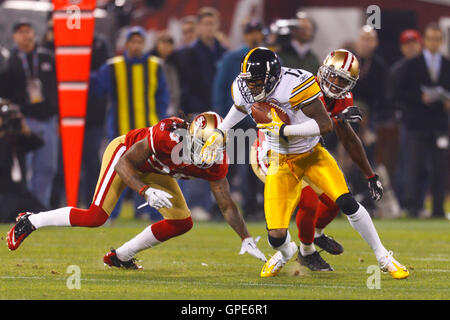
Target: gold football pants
{"type": "Point", "coordinates": [284, 182]}
{"type": "Point", "coordinates": [110, 185]}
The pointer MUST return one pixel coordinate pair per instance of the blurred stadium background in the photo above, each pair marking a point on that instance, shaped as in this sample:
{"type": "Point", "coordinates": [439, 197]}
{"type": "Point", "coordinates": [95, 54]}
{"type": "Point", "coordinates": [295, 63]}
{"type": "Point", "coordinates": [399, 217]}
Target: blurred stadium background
{"type": "Point", "coordinates": [336, 24]}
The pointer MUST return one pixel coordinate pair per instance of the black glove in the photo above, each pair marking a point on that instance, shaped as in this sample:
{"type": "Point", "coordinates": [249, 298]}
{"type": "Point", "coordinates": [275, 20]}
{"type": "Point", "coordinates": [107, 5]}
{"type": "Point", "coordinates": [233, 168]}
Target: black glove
{"type": "Point", "coordinates": [350, 114]}
{"type": "Point", "coordinates": [375, 188]}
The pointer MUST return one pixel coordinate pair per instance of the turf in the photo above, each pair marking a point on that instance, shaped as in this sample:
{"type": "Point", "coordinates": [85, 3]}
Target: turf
{"type": "Point", "coordinates": [204, 264]}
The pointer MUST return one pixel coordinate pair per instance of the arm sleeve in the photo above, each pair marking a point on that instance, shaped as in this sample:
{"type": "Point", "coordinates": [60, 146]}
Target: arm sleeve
{"type": "Point", "coordinates": [309, 128]}
{"type": "Point", "coordinates": [233, 117]}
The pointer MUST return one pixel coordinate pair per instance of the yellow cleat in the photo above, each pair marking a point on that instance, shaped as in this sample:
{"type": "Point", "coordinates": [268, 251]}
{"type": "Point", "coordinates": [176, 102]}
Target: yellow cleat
{"type": "Point", "coordinates": [273, 266]}
{"type": "Point", "coordinates": [395, 268]}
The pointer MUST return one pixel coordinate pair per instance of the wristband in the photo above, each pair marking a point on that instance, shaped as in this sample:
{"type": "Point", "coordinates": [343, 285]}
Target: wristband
{"type": "Point", "coordinates": [142, 191]}
{"type": "Point", "coordinates": [372, 176]}
{"type": "Point", "coordinates": [282, 132]}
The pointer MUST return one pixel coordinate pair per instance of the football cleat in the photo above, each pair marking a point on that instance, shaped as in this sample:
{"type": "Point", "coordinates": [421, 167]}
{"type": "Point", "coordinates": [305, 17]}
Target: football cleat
{"type": "Point", "coordinates": [329, 244]}
{"type": "Point", "coordinates": [110, 259]}
{"type": "Point", "coordinates": [389, 264]}
{"type": "Point", "coordinates": [20, 231]}
{"type": "Point", "coordinates": [313, 262]}
{"type": "Point", "coordinates": [273, 266]}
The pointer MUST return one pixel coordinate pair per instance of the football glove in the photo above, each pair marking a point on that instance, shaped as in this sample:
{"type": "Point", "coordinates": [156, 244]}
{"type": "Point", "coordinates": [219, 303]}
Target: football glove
{"type": "Point", "coordinates": [274, 128]}
{"type": "Point", "coordinates": [375, 188]}
{"type": "Point", "coordinates": [249, 246]}
{"type": "Point", "coordinates": [209, 150]}
{"type": "Point", "coordinates": [157, 198]}
{"type": "Point", "coordinates": [350, 114]}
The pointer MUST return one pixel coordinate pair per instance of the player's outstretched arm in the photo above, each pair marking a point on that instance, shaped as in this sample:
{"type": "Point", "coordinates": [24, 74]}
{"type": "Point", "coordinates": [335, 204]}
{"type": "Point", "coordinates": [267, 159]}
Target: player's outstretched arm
{"type": "Point", "coordinates": [217, 139]}
{"type": "Point", "coordinates": [221, 191]}
{"type": "Point", "coordinates": [355, 148]}
{"type": "Point", "coordinates": [318, 124]}
{"type": "Point", "coordinates": [316, 111]}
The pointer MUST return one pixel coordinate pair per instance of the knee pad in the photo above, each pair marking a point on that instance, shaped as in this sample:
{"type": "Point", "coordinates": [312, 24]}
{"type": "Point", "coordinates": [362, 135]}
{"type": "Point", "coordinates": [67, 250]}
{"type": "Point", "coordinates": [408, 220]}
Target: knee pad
{"type": "Point", "coordinates": [277, 242]}
{"type": "Point", "coordinates": [347, 204]}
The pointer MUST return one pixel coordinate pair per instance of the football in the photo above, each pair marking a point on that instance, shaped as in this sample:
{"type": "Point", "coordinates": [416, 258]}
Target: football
{"type": "Point", "coordinates": [261, 112]}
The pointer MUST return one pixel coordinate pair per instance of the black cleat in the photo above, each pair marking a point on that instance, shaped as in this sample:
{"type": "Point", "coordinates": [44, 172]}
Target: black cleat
{"type": "Point", "coordinates": [110, 259]}
{"type": "Point", "coordinates": [20, 231]}
{"type": "Point", "coordinates": [329, 245]}
{"type": "Point", "coordinates": [314, 262]}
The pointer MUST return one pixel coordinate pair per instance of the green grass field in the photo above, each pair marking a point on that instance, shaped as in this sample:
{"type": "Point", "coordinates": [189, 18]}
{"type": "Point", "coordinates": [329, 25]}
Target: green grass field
{"type": "Point", "coordinates": [204, 264]}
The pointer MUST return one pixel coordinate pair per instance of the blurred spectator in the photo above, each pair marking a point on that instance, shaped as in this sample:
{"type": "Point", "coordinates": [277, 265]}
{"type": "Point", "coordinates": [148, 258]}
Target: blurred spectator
{"type": "Point", "coordinates": [425, 92]}
{"type": "Point", "coordinates": [188, 31]}
{"type": "Point", "coordinates": [370, 86]}
{"type": "Point", "coordinates": [410, 47]}
{"type": "Point", "coordinates": [16, 139]}
{"type": "Point", "coordinates": [297, 52]}
{"type": "Point", "coordinates": [369, 94]}
{"type": "Point", "coordinates": [241, 176]}
{"type": "Point", "coordinates": [197, 63]}
{"type": "Point", "coordinates": [4, 55]}
{"type": "Point", "coordinates": [197, 69]}
{"type": "Point", "coordinates": [31, 83]}
{"type": "Point", "coordinates": [136, 86]}
{"type": "Point", "coordinates": [164, 49]}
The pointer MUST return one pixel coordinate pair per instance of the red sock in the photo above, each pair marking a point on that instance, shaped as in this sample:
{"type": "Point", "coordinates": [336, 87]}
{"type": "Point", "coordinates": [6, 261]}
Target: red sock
{"type": "Point", "coordinates": [326, 211]}
{"type": "Point", "coordinates": [306, 215]}
{"type": "Point", "coordinates": [166, 229]}
{"type": "Point", "coordinates": [92, 217]}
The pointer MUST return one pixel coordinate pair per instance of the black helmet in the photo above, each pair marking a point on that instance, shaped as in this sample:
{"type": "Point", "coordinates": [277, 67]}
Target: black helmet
{"type": "Point", "coordinates": [260, 73]}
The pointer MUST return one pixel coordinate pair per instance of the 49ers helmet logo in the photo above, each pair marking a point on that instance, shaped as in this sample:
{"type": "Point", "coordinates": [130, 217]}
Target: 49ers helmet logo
{"type": "Point", "coordinates": [200, 122]}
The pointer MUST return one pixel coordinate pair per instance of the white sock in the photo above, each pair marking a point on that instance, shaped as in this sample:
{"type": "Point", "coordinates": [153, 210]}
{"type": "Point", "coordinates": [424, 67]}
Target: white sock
{"type": "Point", "coordinates": [318, 233]}
{"type": "Point", "coordinates": [307, 249]}
{"type": "Point", "coordinates": [286, 249]}
{"type": "Point", "coordinates": [142, 241]}
{"type": "Point", "coordinates": [53, 218]}
{"type": "Point", "coordinates": [362, 222]}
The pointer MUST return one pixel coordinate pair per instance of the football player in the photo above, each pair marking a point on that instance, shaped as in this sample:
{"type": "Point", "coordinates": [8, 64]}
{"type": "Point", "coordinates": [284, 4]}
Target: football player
{"type": "Point", "coordinates": [295, 152]}
{"type": "Point", "coordinates": [316, 210]}
{"type": "Point", "coordinates": [149, 160]}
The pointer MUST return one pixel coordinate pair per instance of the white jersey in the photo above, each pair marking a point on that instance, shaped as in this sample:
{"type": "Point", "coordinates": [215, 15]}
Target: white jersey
{"type": "Point", "coordinates": [295, 89]}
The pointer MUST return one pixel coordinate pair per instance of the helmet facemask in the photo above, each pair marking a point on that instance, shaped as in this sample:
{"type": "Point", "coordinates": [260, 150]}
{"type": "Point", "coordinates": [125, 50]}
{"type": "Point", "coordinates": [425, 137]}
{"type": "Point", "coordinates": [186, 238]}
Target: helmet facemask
{"type": "Point", "coordinates": [196, 139]}
{"type": "Point", "coordinates": [335, 83]}
{"type": "Point", "coordinates": [249, 84]}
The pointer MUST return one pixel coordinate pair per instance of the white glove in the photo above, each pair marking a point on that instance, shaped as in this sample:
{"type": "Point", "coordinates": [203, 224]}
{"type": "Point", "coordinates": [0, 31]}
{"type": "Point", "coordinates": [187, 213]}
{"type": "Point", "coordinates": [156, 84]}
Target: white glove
{"type": "Point", "coordinates": [157, 198]}
{"type": "Point", "coordinates": [249, 246]}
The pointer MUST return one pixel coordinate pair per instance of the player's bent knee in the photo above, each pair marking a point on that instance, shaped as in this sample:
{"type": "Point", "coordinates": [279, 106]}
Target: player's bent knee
{"type": "Point", "coordinates": [347, 204]}
{"type": "Point", "coordinates": [92, 217]}
{"type": "Point", "coordinates": [166, 229]}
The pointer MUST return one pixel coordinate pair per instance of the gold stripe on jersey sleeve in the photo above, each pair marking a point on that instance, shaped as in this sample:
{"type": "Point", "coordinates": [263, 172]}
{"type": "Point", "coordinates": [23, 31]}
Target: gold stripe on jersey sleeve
{"type": "Point", "coordinates": [305, 94]}
{"type": "Point", "coordinates": [304, 83]}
